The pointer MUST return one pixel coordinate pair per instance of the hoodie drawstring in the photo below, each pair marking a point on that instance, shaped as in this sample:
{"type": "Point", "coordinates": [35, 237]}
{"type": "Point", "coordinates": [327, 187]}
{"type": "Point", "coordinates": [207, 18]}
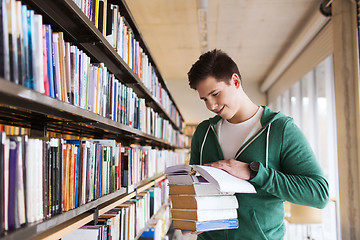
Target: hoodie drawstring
{"type": "Point", "coordinates": [203, 143]}
{"type": "Point", "coordinates": [267, 146]}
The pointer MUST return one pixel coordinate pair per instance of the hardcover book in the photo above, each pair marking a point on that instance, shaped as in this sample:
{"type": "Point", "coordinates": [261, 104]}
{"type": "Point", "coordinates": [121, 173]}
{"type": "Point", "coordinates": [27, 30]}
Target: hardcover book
{"type": "Point", "coordinates": [2, 184]}
{"type": "Point", "coordinates": [4, 45]}
{"type": "Point", "coordinates": [204, 202]}
{"type": "Point", "coordinates": [220, 178]}
{"type": "Point", "coordinates": [206, 225]}
{"type": "Point", "coordinates": [198, 189]}
{"type": "Point", "coordinates": [203, 215]}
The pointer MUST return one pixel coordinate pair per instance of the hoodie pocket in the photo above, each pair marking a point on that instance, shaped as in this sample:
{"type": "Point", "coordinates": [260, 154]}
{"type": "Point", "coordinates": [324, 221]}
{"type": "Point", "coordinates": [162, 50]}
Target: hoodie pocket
{"type": "Point", "coordinates": [257, 226]}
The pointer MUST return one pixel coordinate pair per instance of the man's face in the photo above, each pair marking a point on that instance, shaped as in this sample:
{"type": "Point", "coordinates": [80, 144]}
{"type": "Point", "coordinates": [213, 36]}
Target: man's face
{"type": "Point", "coordinates": [220, 97]}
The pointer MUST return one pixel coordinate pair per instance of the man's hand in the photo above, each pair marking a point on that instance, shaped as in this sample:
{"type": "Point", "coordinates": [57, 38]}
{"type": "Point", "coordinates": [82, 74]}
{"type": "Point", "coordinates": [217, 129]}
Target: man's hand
{"type": "Point", "coordinates": [234, 167]}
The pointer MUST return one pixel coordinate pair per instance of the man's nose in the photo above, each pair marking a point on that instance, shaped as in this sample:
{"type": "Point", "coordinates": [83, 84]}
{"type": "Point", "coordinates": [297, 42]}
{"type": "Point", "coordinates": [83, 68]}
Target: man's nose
{"type": "Point", "coordinates": [212, 105]}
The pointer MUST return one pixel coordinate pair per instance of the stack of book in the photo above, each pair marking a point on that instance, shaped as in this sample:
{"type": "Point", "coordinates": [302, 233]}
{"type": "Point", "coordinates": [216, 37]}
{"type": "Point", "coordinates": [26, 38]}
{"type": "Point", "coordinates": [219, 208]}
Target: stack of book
{"type": "Point", "coordinates": [203, 197]}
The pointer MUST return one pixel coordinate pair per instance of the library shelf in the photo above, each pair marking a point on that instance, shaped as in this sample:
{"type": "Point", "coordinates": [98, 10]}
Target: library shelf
{"type": "Point", "coordinates": [164, 206]}
{"type": "Point", "coordinates": [67, 17]}
{"type": "Point", "coordinates": [60, 225]}
{"type": "Point", "coordinates": [31, 109]}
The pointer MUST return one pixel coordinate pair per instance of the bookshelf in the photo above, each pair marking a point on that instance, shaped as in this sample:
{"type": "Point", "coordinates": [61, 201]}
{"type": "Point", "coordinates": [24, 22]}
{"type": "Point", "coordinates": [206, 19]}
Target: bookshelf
{"type": "Point", "coordinates": [66, 16]}
{"type": "Point", "coordinates": [27, 108]}
{"type": "Point", "coordinates": [41, 113]}
{"type": "Point", "coordinates": [60, 225]}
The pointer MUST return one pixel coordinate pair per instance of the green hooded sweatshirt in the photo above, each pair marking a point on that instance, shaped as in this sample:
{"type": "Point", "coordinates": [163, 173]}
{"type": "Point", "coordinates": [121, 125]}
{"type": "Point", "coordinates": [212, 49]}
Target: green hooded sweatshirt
{"type": "Point", "coordinates": [288, 171]}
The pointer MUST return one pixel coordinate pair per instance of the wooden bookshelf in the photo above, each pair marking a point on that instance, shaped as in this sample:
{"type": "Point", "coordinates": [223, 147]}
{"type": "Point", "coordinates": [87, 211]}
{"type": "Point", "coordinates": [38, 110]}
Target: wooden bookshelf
{"type": "Point", "coordinates": [61, 225]}
{"type": "Point", "coordinates": [164, 206]}
{"type": "Point", "coordinates": [65, 16]}
{"type": "Point", "coordinates": [27, 108]}
{"type": "Point", "coordinates": [31, 109]}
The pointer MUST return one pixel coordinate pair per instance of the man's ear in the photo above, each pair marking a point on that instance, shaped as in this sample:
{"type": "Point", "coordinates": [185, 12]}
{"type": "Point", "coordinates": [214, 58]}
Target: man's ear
{"type": "Point", "coordinates": [236, 79]}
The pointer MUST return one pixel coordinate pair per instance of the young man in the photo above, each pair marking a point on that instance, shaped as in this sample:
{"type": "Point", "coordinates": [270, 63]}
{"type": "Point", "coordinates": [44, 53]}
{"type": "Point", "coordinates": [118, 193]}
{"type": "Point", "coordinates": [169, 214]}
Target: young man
{"type": "Point", "coordinates": [256, 144]}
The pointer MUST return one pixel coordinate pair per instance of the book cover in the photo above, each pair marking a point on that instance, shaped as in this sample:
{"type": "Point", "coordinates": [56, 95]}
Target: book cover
{"type": "Point", "coordinates": [38, 54]}
{"type": "Point", "coordinates": [59, 176]}
{"type": "Point", "coordinates": [13, 51]}
{"type": "Point", "coordinates": [125, 155]}
{"type": "Point", "coordinates": [74, 76]}
{"type": "Point", "coordinates": [203, 215]}
{"type": "Point", "coordinates": [20, 43]}
{"type": "Point", "coordinates": [71, 175]}
{"type": "Point", "coordinates": [100, 19]}
{"type": "Point", "coordinates": [67, 73]}
{"type": "Point", "coordinates": [56, 66]}
{"type": "Point", "coordinates": [45, 62]}
{"type": "Point", "coordinates": [13, 216]}
{"type": "Point", "coordinates": [220, 178]}
{"type": "Point", "coordinates": [63, 82]}
{"type": "Point", "coordinates": [204, 202]}
{"type": "Point", "coordinates": [2, 182]}
{"type": "Point", "coordinates": [49, 64]}
{"type": "Point", "coordinates": [198, 189]}
{"type": "Point", "coordinates": [6, 182]}
{"type": "Point", "coordinates": [46, 178]}
{"type": "Point", "coordinates": [84, 152]}
{"type": "Point", "coordinates": [109, 17]}
{"type": "Point", "coordinates": [77, 175]}
{"type": "Point", "coordinates": [53, 146]}
{"type": "Point", "coordinates": [104, 15]}
{"type": "Point", "coordinates": [185, 179]}
{"type": "Point", "coordinates": [4, 45]}
{"type": "Point", "coordinates": [20, 174]}
{"type": "Point", "coordinates": [206, 225]}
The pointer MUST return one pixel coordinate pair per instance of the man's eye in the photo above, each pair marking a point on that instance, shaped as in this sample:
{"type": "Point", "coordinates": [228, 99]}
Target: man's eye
{"type": "Point", "coordinates": [215, 94]}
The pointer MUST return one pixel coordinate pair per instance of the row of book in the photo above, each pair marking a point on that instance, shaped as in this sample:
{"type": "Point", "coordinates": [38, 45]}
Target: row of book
{"type": "Point", "coordinates": [35, 56]}
{"type": "Point", "coordinates": [108, 19]}
{"type": "Point", "coordinates": [40, 178]}
{"type": "Point", "coordinates": [125, 221]}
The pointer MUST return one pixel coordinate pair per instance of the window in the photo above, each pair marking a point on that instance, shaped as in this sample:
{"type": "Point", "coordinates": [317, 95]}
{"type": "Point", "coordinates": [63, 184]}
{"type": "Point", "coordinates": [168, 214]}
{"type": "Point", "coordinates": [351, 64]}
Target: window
{"type": "Point", "coordinates": [311, 102]}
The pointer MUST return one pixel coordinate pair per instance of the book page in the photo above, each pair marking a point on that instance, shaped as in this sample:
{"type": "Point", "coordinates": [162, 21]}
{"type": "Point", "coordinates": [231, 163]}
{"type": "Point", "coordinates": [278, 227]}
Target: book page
{"type": "Point", "coordinates": [225, 181]}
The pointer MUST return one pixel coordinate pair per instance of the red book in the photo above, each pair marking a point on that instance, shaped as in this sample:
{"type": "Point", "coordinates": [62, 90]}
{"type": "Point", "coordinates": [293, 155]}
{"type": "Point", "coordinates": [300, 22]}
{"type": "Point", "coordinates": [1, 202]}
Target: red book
{"type": "Point", "coordinates": [46, 77]}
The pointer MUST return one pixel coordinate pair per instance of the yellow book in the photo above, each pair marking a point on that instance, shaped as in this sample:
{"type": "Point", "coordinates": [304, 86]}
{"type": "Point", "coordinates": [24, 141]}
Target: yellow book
{"type": "Point", "coordinates": [62, 67]}
{"type": "Point", "coordinates": [104, 18]}
{"type": "Point", "coordinates": [97, 13]}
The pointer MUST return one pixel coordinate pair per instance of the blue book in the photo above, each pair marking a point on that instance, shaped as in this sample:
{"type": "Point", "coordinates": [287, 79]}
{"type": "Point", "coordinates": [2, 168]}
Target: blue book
{"type": "Point", "coordinates": [77, 144]}
{"type": "Point", "coordinates": [49, 52]}
{"type": "Point", "coordinates": [12, 199]}
{"type": "Point", "coordinates": [25, 42]}
{"type": "Point", "coordinates": [4, 45]}
{"type": "Point", "coordinates": [80, 69]}
{"type": "Point", "coordinates": [206, 225]}
{"type": "Point", "coordinates": [30, 81]}
{"type": "Point", "coordinates": [77, 177]}
{"type": "Point", "coordinates": [115, 100]}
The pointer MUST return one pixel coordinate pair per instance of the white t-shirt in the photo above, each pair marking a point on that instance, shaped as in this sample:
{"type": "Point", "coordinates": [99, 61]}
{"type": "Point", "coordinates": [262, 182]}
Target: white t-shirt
{"type": "Point", "coordinates": [233, 136]}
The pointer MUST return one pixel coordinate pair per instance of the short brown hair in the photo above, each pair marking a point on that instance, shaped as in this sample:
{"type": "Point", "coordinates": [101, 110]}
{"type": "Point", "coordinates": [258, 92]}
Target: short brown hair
{"type": "Point", "coordinates": [214, 63]}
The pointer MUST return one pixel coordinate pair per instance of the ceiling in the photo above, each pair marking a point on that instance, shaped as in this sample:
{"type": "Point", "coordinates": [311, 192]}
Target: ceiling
{"type": "Point", "coordinates": [253, 32]}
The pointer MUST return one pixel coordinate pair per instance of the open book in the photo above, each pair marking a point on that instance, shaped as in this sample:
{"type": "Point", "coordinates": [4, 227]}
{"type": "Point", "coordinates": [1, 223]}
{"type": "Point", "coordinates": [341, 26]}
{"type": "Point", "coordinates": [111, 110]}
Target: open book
{"type": "Point", "coordinates": [222, 180]}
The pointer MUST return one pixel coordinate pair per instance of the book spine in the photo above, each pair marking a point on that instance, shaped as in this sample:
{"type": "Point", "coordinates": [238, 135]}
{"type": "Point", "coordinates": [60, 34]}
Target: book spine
{"type": "Point", "coordinates": [4, 45]}
{"type": "Point", "coordinates": [12, 207]}
{"type": "Point", "coordinates": [2, 181]}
